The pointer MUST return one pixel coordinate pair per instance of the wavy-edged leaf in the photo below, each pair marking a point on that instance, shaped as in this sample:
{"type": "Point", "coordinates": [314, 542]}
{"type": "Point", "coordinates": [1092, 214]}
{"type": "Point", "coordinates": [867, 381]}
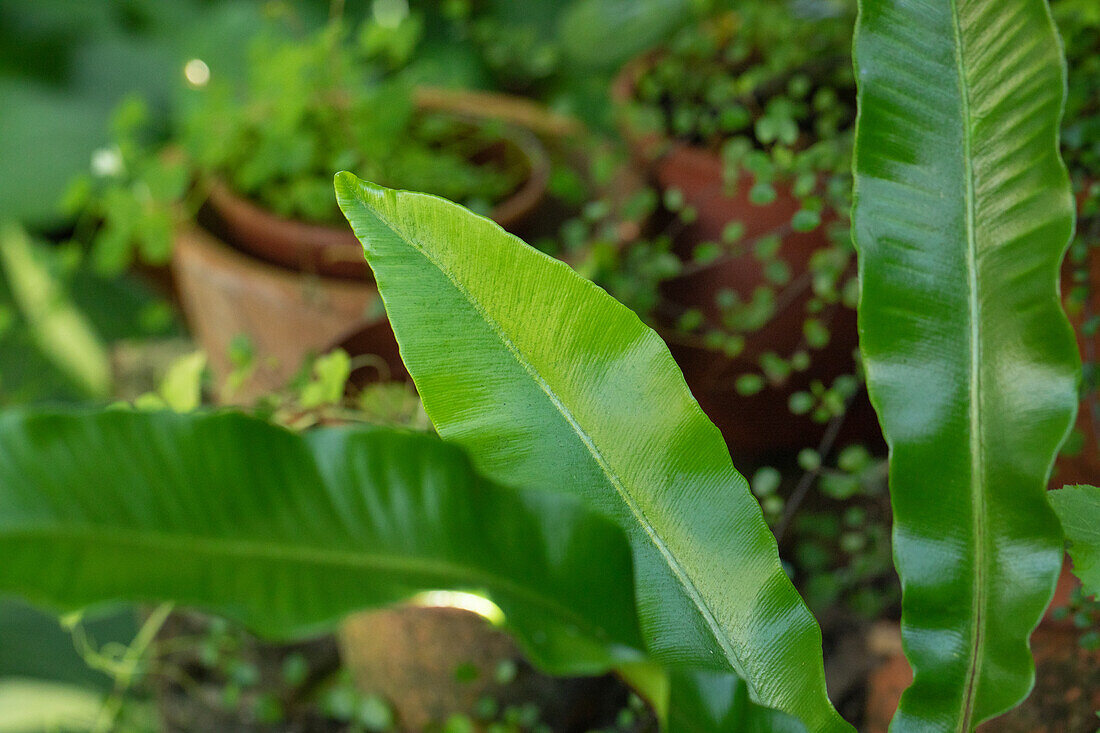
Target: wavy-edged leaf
{"type": "Point", "coordinates": [548, 382]}
{"type": "Point", "coordinates": [286, 532]}
{"type": "Point", "coordinates": [963, 212]}
{"type": "Point", "coordinates": [1078, 508]}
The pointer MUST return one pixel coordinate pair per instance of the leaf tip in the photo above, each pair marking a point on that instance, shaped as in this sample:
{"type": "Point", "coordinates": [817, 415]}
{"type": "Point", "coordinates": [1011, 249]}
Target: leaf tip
{"type": "Point", "coordinates": [345, 183]}
{"type": "Point", "coordinates": [353, 193]}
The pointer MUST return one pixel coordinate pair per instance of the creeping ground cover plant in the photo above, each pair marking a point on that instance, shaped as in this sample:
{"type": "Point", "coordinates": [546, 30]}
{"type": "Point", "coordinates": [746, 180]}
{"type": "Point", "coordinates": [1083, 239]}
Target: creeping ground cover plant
{"type": "Point", "coordinates": [578, 483]}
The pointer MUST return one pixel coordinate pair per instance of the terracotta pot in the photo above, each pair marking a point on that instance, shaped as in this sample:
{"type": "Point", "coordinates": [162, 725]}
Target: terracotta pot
{"type": "Point", "coordinates": [410, 655]}
{"type": "Point", "coordinates": [758, 427]}
{"type": "Point", "coordinates": [295, 288]}
{"type": "Point", "coordinates": [697, 173]}
{"type": "Point", "coordinates": [761, 423]}
{"type": "Point", "coordinates": [333, 251]}
{"type": "Point", "coordinates": [430, 663]}
{"type": "Point", "coordinates": [888, 679]}
{"type": "Point", "coordinates": [286, 315]}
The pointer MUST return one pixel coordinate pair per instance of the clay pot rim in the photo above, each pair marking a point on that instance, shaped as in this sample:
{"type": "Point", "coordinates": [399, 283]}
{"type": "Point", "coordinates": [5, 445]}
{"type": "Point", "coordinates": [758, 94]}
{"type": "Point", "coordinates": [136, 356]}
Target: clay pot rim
{"type": "Point", "coordinates": [338, 245]}
{"type": "Point", "coordinates": [654, 146]}
{"type": "Point", "coordinates": [649, 148]}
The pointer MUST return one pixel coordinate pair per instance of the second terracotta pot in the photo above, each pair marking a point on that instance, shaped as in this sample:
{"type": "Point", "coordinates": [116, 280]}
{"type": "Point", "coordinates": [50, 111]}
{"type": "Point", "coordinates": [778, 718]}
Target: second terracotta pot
{"type": "Point", "coordinates": [755, 425]}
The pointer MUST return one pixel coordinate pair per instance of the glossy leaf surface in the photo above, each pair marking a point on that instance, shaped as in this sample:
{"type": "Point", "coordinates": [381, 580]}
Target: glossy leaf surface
{"type": "Point", "coordinates": [286, 532]}
{"type": "Point", "coordinates": [549, 383]}
{"type": "Point", "coordinates": [963, 213]}
{"type": "Point", "coordinates": [1078, 507]}
{"type": "Point", "coordinates": [718, 702]}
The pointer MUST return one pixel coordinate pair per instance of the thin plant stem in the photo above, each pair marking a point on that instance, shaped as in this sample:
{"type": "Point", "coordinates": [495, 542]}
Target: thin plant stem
{"type": "Point", "coordinates": [127, 667]}
{"type": "Point", "coordinates": [803, 488]}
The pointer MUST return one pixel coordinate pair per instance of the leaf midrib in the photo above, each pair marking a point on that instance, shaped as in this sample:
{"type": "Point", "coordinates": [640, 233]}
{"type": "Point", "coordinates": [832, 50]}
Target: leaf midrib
{"type": "Point", "coordinates": [643, 521]}
{"type": "Point", "coordinates": [275, 552]}
{"type": "Point", "coordinates": [977, 493]}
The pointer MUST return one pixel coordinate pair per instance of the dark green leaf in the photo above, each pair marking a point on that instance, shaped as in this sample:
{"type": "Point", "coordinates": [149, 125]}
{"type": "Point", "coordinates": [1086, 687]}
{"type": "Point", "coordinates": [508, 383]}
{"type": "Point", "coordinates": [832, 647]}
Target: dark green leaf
{"type": "Point", "coordinates": [287, 532]}
{"type": "Point", "coordinates": [963, 212]}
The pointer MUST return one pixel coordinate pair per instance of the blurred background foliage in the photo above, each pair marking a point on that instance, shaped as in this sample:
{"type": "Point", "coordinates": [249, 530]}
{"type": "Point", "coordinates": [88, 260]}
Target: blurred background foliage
{"type": "Point", "coordinates": [66, 65]}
